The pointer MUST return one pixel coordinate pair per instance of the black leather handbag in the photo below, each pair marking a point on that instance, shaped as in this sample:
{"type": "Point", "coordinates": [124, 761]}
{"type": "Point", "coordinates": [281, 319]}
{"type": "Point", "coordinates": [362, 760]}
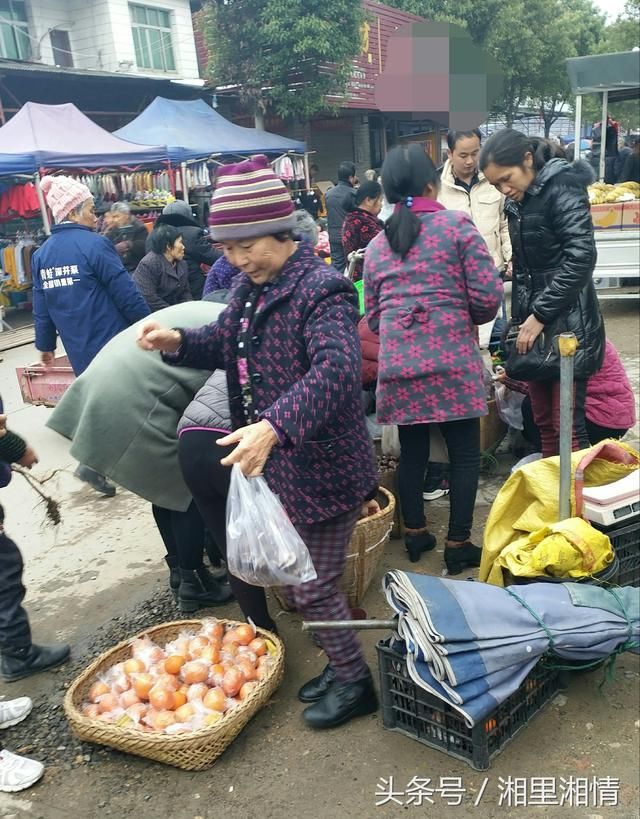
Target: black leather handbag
{"type": "Point", "coordinates": [541, 363]}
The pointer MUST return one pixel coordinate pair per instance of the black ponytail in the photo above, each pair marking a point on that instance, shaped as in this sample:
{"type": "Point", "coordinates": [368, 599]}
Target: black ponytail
{"type": "Point", "coordinates": [406, 172]}
{"type": "Point", "coordinates": [508, 147]}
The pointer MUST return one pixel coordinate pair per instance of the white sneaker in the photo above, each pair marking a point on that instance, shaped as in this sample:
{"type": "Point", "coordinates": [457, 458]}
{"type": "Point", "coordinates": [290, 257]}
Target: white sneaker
{"type": "Point", "coordinates": [437, 493]}
{"type": "Point", "coordinates": [14, 711]}
{"type": "Point", "coordinates": [18, 772]}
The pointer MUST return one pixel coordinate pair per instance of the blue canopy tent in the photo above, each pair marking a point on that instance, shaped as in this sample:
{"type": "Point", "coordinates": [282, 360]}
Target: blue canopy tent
{"type": "Point", "coordinates": [192, 130]}
{"type": "Point", "coordinates": [60, 136]}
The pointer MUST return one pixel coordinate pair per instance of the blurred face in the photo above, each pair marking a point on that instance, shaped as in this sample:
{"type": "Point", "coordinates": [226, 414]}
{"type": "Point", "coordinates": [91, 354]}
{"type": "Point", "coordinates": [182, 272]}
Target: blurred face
{"type": "Point", "coordinates": [372, 206]}
{"type": "Point", "coordinates": [86, 216]}
{"type": "Point", "coordinates": [464, 157]}
{"type": "Point", "coordinates": [261, 259]}
{"type": "Point", "coordinates": [119, 219]}
{"type": "Point", "coordinates": [176, 251]}
{"type": "Point", "coordinates": [513, 180]}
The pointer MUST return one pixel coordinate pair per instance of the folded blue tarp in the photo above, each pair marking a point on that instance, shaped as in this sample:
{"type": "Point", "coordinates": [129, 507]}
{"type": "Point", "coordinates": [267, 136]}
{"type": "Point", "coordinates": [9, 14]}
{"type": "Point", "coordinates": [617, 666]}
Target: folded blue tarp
{"type": "Point", "coordinates": [473, 644]}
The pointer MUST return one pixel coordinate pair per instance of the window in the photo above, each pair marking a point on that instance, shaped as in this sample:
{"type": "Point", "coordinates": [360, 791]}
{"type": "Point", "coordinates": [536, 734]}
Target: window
{"type": "Point", "coordinates": [152, 38]}
{"type": "Point", "coordinates": [61, 48]}
{"type": "Point", "coordinates": [14, 30]}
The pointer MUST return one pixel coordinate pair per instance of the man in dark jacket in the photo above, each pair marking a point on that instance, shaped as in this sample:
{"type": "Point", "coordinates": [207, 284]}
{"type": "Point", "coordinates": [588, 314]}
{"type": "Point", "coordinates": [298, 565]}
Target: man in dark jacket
{"type": "Point", "coordinates": [197, 248]}
{"type": "Point", "coordinates": [128, 235]}
{"type": "Point", "coordinates": [340, 201]}
{"type": "Point", "coordinates": [631, 168]}
{"type": "Point", "coordinates": [81, 290]}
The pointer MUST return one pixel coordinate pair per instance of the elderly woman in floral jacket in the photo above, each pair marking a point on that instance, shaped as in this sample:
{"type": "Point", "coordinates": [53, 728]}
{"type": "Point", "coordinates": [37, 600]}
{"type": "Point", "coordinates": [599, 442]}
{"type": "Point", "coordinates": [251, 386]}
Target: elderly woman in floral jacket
{"type": "Point", "coordinates": [429, 278]}
{"type": "Point", "coordinates": [288, 341]}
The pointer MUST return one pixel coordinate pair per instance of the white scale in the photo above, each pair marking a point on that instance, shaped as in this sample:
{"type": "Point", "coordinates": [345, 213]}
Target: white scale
{"type": "Point", "coordinates": [614, 503]}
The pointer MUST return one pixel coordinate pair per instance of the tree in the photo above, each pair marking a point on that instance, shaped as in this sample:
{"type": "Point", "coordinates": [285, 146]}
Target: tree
{"type": "Point", "coordinates": [574, 30]}
{"type": "Point", "coordinates": [286, 56]}
{"type": "Point", "coordinates": [621, 35]}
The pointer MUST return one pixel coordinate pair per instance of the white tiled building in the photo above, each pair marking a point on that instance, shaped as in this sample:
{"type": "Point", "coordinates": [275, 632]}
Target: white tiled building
{"type": "Point", "coordinates": [151, 38]}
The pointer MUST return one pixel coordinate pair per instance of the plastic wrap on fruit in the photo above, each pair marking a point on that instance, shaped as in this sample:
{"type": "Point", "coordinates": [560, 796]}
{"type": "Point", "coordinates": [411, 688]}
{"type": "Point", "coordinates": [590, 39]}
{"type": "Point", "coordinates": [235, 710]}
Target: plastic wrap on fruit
{"type": "Point", "coordinates": [212, 628]}
{"type": "Point", "coordinates": [146, 650]}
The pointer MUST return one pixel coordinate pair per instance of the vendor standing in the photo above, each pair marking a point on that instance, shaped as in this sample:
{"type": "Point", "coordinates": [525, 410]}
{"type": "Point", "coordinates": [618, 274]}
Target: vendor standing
{"type": "Point", "coordinates": [127, 233]}
{"type": "Point", "coordinates": [289, 344]}
{"type": "Point", "coordinates": [81, 289]}
{"type": "Point", "coordinates": [198, 250]}
{"type": "Point", "coordinates": [163, 274]}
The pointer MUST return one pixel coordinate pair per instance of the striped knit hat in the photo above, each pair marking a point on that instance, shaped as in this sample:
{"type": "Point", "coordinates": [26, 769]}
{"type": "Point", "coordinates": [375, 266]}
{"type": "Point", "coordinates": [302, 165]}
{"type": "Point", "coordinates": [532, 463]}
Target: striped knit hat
{"type": "Point", "coordinates": [249, 201]}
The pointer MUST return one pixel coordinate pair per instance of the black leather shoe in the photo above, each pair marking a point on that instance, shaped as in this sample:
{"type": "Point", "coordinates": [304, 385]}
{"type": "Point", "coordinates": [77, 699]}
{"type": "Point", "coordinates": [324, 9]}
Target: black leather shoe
{"type": "Point", "coordinates": [95, 480]}
{"type": "Point", "coordinates": [459, 558]}
{"type": "Point", "coordinates": [18, 663]}
{"type": "Point", "coordinates": [316, 688]}
{"type": "Point", "coordinates": [174, 574]}
{"type": "Point", "coordinates": [194, 593]}
{"type": "Point", "coordinates": [418, 541]}
{"type": "Point", "coordinates": [343, 702]}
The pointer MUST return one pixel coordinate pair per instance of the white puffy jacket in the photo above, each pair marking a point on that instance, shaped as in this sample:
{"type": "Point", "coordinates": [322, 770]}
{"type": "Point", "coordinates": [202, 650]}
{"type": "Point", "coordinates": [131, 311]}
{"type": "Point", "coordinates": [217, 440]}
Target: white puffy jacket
{"type": "Point", "coordinates": [485, 205]}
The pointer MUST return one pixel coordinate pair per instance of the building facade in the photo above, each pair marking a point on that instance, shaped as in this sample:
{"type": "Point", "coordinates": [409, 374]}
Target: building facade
{"type": "Point", "coordinates": [147, 38]}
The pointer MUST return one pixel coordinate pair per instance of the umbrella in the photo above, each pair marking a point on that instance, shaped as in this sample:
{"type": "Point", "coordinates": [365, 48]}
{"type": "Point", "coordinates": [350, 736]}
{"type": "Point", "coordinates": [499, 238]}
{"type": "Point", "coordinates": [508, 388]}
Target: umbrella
{"type": "Point", "coordinates": [473, 644]}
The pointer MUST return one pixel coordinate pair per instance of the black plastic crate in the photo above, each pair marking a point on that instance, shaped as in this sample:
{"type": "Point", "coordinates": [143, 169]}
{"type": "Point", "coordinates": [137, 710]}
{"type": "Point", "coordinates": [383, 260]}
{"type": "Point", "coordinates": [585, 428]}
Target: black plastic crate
{"type": "Point", "coordinates": [625, 540]}
{"type": "Point", "coordinates": [412, 711]}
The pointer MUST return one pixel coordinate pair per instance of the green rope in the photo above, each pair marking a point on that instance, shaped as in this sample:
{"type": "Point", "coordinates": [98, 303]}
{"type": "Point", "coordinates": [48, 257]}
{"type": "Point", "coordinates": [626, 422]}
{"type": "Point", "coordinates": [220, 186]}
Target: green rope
{"type": "Point", "coordinates": [554, 662]}
{"type": "Point", "coordinates": [535, 616]}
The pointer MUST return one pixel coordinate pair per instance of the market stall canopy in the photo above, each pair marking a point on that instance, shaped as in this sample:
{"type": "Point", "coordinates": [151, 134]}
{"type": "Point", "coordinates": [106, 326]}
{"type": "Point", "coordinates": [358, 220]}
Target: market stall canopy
{"type": "Point", "coordinates": [618, 73]}
{"type": "Point", "coordinates": [193, 130]}
{"type": "Point", "coordinates": [61, 136]}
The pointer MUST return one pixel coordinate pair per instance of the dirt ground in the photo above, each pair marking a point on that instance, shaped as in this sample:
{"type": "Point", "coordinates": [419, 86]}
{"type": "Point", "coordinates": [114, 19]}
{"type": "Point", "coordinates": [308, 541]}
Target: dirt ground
{"type": "Point", "coordinates": [100, 577]}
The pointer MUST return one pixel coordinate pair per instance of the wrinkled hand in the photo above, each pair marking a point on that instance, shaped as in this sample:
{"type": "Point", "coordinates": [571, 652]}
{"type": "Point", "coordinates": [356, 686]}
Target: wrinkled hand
{"type": "Point", "coordinates": [529, 332]}
{"type": "Point", "coordinates": [47, 359]}
{"type": "Point", "coordinates": [255, 443]}
{"type": "Point", "coordinates": [152, 336]}
{"type": "Point", "coordinates": [500, 374]}
{"type": "Point", "coordinates": [508, 272]}
{"type": "Point", "coordinates": [28, 459]}
{"type": "Point", "coordinates": [3, 425]}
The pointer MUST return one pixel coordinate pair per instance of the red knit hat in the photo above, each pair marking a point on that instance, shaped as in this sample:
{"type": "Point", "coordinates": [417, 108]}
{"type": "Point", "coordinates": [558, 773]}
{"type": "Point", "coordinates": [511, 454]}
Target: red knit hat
{"type": "Point", "coordinates": [249, 201]}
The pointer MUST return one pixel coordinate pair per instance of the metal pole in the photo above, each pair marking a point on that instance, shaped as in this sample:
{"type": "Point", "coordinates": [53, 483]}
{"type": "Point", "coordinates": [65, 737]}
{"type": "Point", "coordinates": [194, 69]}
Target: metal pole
{"type": "Point", "coordinates": [578, 128]}
{"type": "Point", "coordinates": [185, 182]}
{"type": "Point", "coordinates": [43, 207]}
{"type": "Point", "coordinates": [567, 346]}
{"type": "Point", "coordinates": [603, 134]}
{"type": "Point", "coordinates": [354, 624]}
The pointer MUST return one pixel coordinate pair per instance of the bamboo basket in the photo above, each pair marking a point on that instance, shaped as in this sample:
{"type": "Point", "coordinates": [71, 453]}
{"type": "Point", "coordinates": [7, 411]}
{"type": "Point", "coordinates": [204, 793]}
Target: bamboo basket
{"type": "Point", "coordinates": [364, 552]}
{"type": "Point", "coordinates": [366, 547]}
{"type": "Point", "coordinates": [388, 479]}
{"type": "Point", "coordinates": [191, 752]}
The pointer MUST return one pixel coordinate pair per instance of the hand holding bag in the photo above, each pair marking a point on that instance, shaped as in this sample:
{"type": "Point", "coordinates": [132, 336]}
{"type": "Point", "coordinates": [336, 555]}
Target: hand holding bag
{"type": "Point", "coordinates": [541, 362]}
{"type": "Point", "coordinates": [263, 546]}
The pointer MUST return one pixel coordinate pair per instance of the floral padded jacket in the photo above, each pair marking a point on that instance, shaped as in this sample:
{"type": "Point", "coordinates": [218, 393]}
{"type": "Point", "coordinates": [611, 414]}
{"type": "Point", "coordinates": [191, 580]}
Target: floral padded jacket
{"type": "Point", "coordinates": [425, 308]}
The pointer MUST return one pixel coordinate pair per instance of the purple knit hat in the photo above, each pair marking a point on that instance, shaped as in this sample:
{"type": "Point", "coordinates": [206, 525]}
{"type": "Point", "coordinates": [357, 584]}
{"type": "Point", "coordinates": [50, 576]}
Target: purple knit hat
{"type": "Point", "coordinates": [249, 201]}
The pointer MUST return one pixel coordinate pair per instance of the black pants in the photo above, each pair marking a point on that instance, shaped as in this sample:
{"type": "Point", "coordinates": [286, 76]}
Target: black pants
{"type": "Point", "coordinates": [182, 534]}
{"type": "Point", "coordinates": [337, 254]}
{"type": "Point", "coordinates": [208, 481]}
{"type": "Point", "coordinates": [14, 622]}
{"type": "Point", "coordinates": [463, 444]}
{"type": "Point", "coordinates": [595, 432]}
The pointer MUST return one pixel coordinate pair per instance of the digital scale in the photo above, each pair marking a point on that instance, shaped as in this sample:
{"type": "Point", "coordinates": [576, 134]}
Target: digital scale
{"type": "Point", "coordinates": [614, 503]}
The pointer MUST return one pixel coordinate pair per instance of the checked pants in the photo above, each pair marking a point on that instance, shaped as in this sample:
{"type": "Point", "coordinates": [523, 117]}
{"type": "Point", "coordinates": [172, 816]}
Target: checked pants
{"type": "Point", "coordinates": [322, 599]}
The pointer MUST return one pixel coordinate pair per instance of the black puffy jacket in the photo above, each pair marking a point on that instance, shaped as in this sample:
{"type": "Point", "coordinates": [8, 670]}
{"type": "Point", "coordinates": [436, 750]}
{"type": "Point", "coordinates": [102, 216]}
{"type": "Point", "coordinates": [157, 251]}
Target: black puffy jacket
{"type": "Point", "coordinates": [554, 255]}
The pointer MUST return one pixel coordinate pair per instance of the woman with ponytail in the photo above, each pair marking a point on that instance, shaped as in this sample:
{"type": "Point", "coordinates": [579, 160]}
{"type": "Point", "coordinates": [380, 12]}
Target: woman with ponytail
{"type": "Point", "coordinates": [554, 255]}
{"type": "Point", "coordinates": [429, 278]}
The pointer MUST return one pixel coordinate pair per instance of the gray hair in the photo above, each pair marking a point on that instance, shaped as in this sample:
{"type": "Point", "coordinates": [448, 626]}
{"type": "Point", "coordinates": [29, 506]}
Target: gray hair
{"type": "Point", "coordinates": [76, 212]}
{"type": "Point", "coordinates": [370, 175]}
{"type": "Point", "coordinates": [305, 227]}
{"type": "Point", "coordinates": [120, 207]}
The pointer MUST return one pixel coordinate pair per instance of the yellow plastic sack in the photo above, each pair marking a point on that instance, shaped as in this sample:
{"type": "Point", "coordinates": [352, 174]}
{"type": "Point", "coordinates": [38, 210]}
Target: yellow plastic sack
{"type": "Point", "coordinates": [571, 548]}
{"type": "Point", "coordinates": [528, 501]}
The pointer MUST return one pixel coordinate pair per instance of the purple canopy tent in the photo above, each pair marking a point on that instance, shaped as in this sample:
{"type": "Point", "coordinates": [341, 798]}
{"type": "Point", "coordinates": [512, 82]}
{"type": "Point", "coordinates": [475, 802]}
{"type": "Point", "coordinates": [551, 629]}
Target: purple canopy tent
{"type": "Point", "coordinates": [61, 136]}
